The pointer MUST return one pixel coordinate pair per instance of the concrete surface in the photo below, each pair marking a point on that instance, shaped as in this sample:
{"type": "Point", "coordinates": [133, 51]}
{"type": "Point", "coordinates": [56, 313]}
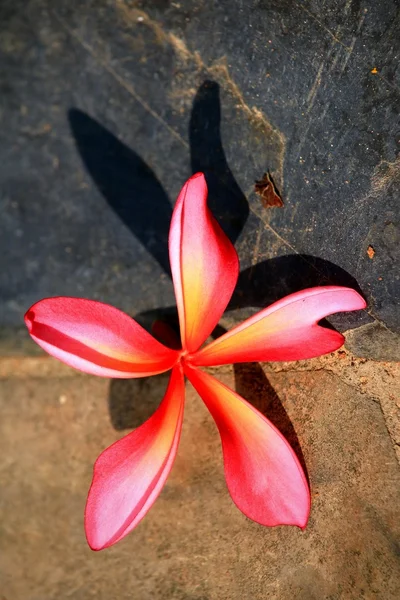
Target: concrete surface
{"type": "Point", "coordinates": [194, 544]}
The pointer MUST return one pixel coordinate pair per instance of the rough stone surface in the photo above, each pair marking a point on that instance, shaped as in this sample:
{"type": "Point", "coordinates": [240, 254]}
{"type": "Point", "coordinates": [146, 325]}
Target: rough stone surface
{"type": "Point", "coordinates": [194, 544]}
{"type": "Point", "coordinates": [374, 341]}
{"type": "Point", "coordinates": [108, 106]}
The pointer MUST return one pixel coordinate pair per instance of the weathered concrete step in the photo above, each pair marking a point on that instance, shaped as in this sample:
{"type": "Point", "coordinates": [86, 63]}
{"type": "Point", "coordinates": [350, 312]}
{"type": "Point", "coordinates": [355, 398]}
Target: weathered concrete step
{"type": "Point", "coordinates": [194, 544]}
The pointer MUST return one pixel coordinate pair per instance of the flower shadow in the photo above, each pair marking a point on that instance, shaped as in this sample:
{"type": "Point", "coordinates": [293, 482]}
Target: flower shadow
{"type": "Point", "coordinates": [132, 401]}
{"type": "Point", "coordinates": [225, 198]}
{"type": "Point", "coordinates": [126, 182]}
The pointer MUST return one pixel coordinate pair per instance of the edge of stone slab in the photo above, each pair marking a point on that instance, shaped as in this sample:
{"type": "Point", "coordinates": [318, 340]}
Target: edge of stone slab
{"type": "Point", "coordinates": [373, 341]}
{"type": "Point", "coordinates": [15, 341]}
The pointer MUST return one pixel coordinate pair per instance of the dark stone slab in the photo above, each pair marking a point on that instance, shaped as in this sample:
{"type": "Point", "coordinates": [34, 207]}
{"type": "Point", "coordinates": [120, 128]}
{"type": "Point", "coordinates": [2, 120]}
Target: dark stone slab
{"type": "Point", "coordinates": [107, 107]}
{"type": "Point", "coordinates": [374, 341]}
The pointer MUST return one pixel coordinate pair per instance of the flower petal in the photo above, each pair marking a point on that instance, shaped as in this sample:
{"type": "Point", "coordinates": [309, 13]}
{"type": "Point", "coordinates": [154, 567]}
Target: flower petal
{"type": "Point", "coordinates": [204, 264]}
{"type": "Point", "coordinates": [286, 330]}
{"type": "Point", "coordinates": [129, 475]}
{"type": "Point", "coordinates": [96, 338]}
{"type": "Point", "coordinates": [263, 474]}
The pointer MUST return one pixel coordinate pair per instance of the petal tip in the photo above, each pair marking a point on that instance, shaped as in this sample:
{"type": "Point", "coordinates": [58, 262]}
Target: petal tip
{"type": "Point", "coordinates": [198, 184]}
{"type": "Point", "coordinates": [359, 301]}
{"type": "Point", "coordinates": [298, 520]}
{"type": "Point", "coordinates": [94, 547]}
{"type": "Point", "coordinates": [196, 176]}
{"type": "Point", "coordinates": [29, 319]}
{"type": "Point", "coordinates": [93, 541]}
{"type": "Point", "coordinates": [98, 533]}
{"type": "Point", "coordinates": [302, 524]}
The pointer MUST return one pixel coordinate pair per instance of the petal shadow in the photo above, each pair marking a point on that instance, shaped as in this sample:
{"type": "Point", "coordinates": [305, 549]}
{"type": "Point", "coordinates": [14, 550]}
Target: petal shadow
{"type": "Point", "coordinates": [132, 401]}
{"type": "Point", "coordinates": [127, 183]}
{"type": "Point", "coordinates": [226, 200]}
{"type": "Point", "coordinates": [252, 383]}
{"type": "Point", "coordinates": [270, 280]}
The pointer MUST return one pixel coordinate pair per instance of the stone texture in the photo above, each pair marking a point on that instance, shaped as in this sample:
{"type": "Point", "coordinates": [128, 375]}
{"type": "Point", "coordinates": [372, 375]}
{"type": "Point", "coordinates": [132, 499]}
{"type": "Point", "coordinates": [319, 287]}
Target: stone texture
{"type": "Point", "coordinates": [378, 380]}
{"type": "Point", "coordinates": [108, 106]}
{"type": "Point", "coordinates": [374, 340]}
{"type": "Point", "coordinates": [194, 544]}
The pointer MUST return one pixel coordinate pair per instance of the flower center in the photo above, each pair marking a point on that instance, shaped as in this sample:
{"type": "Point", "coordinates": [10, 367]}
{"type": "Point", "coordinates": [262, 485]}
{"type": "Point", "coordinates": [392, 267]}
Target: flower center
{"type": "Point", "coordinates": [183, 356]}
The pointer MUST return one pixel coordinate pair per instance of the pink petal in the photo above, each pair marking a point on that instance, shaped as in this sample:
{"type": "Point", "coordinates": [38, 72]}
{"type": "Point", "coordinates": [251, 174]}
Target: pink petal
{"type": "Point", "coordinates": [204, 264]}
{"type": "Point", "coordinates": [129, 475]}
{"type": "Point", "coordinates": [96, 338]}
{"type": "Point", "coordinates": [286, 330]}
{"type": "Point", "coordinates": [263, 474]}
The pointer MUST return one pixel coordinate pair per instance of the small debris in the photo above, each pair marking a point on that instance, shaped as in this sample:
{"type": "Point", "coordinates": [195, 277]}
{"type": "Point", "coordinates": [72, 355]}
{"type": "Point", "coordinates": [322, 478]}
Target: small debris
{"type": "Point", "coordinates": [266, 189]}
{"type": "Point", "coordinates": [371, 252]}
{"type": "Point", "coordinates": [374, 71]}
{"type": "Point", "coordinates": [43, 129]}
{"type": "Point", "coordinates": [62, 399]}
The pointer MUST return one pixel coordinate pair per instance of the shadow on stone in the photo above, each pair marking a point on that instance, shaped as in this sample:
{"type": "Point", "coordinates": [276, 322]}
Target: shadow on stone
{"type": "Point", "coordinates": [132, 401]}
{"type": "Point", "coordinates": [126, 183]}
{"type": "Point", "coordinates": [225, 198]}
{"type": "Point", "coordinates": [252, 383]}
{"type": "Point", "coordinates": [273, 279]}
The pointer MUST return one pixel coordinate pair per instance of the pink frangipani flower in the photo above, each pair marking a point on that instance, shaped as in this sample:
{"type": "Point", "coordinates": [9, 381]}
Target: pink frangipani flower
{"type": "Point", "coordinates": [263, 474]}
